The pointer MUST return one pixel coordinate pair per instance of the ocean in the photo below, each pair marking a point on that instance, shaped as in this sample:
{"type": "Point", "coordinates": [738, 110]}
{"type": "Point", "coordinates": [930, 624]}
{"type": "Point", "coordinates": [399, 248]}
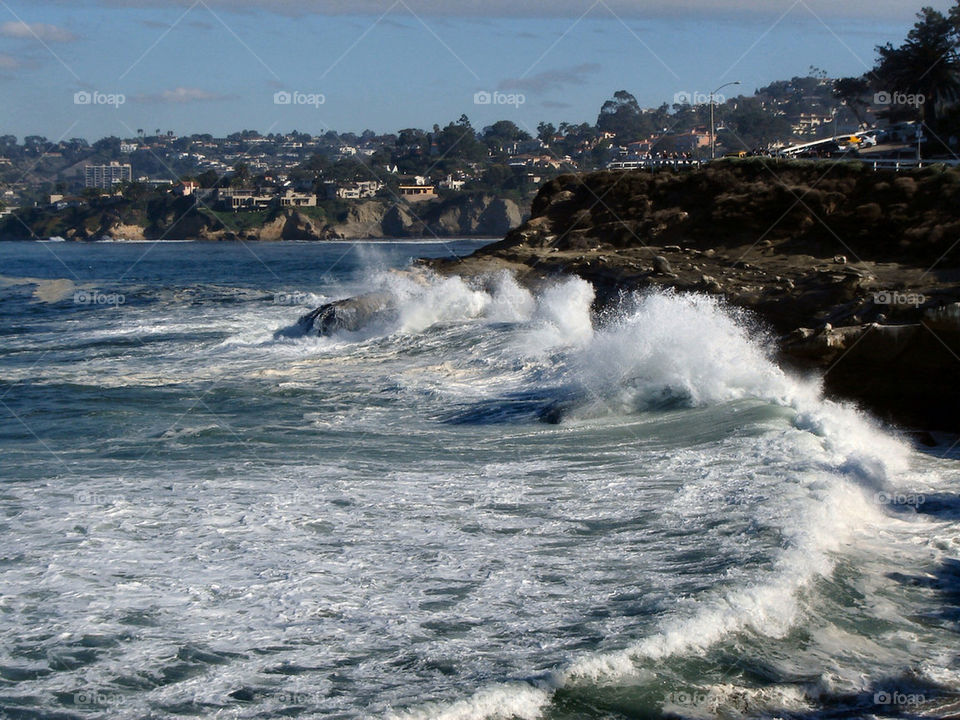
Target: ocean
{"type": "Point", "coordinates": [486, 503]}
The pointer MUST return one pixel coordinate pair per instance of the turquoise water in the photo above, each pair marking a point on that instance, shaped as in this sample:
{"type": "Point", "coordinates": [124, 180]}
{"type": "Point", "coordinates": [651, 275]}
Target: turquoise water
{"type": "Point", "coordinates": [486, 503]}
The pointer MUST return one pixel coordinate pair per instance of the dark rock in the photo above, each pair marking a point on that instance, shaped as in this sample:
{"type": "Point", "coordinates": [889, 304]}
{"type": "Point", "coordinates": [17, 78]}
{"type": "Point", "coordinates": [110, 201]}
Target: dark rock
{"type": "Point", "coordinates": [661, 266]}
{"type": "Point", "coordinates": [349, 314]}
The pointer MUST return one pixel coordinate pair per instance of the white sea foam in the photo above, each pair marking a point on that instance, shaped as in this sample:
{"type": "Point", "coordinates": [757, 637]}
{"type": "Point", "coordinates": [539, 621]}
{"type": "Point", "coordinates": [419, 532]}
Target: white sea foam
{"type": "Point", "coordinates": [692, 349]}
{"type": "Point", "coordinates": [367, 527]}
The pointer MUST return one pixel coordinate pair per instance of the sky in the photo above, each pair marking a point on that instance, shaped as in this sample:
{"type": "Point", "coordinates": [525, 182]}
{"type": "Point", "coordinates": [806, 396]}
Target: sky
{"type": "Point", "coordinates": [92, 68]}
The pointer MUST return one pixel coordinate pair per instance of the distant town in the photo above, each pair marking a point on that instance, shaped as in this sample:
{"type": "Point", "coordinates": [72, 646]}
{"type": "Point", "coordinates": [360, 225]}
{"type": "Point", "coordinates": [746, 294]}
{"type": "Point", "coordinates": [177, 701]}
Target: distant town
{"type": "Point", "coordinates": [322, 176]}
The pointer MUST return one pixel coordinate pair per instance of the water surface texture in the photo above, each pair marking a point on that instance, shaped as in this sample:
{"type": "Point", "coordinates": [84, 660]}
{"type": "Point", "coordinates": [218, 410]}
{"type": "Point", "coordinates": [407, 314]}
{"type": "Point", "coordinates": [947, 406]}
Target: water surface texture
{"type": "Point", "coordinates": [485, 504]}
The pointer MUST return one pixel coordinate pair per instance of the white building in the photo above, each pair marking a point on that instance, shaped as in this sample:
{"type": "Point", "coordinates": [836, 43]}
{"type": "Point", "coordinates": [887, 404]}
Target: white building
{"type": "Point", "coordinates": [106, 176]}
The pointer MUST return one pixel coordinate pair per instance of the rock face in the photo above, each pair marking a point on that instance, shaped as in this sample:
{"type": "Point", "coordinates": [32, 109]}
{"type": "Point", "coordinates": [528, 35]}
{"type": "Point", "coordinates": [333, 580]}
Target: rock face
{"type": "Point", "coordinates": [459, 216]}
{"type": "Point", "coordinates": [858, 271]}
{"type": "Point", "coordinates": [498, 218]}
{"type": "Point", "coordinates": [468, 215]}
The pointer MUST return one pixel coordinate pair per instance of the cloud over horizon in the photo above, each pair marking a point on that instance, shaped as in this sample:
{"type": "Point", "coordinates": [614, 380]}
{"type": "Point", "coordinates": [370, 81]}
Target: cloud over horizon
{"type": "Point", "coordinates": [180, 96]}
{"type": "Point", "coordinates": [549, 80]}
{"type": "Point", "coordinates": [43, 31]}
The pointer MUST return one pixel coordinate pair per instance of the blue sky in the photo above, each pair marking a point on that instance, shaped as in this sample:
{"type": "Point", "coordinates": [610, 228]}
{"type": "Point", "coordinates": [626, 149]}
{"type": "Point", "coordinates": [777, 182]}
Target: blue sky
{"type": "Point", "coordinates": [214, 66]}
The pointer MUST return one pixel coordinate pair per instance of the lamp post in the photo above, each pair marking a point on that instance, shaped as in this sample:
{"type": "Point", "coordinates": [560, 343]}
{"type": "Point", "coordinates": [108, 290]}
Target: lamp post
{"type": "Point", "coordinates": [713, 125]}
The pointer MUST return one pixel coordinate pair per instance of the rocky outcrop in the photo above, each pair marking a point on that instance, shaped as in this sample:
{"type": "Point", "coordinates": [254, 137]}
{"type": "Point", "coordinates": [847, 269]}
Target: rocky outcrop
{"type": "Point", "coordinates": [857, 271]}
{"type": "Point", "coordinates": [460, 216]}
{"type": "Point", "coordinates": [291, 225]}
{"type": "Point", "coordinates": [498, 218]}
{"type": "Point", "coordinates": [363, 220]}
{"type": "Point", "coordinates": [116, 218]}
{"type": "Point", "coordinates": [349, 314]}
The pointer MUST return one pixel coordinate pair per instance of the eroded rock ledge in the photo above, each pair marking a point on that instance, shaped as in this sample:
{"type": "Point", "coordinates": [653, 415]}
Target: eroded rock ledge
{"type": "Point", "coordinates": [856, 271]}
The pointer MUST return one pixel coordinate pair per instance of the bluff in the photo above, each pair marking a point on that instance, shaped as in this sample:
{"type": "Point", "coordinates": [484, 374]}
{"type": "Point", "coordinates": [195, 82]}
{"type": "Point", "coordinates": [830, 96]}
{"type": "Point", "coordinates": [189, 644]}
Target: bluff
{"type": "Point", "coordinates": [479, 215]}
{"type": "Point", "coordinates": [857, 272]}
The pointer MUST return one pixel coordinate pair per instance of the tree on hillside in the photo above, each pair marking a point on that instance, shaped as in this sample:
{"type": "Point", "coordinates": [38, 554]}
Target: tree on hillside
{"type": "Point", "coordinates": [241, 175]}
{"type": "Point", "coordinates": [503, 133]}
{"type": "Point", "coordinates": [546, 132]}
{"type": "Point", "coordinates": [458, 141]}
{"type": "Point", "coordinates": [750, 126]}
{"type": "Point", "coordinates": [622, 117]}
{"type": "Point", "coordinates": [853, 92]}
{"type": "Point", "coordinates": [927, 64]}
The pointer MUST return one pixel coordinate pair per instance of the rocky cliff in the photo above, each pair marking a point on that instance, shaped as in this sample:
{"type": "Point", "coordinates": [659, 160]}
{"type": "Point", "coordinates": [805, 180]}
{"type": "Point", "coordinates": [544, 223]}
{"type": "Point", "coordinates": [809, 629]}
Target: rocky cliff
{"type": "Point", "coordinates": [857, 271]}
{"type": "Point", "coordinates": [480, 215]}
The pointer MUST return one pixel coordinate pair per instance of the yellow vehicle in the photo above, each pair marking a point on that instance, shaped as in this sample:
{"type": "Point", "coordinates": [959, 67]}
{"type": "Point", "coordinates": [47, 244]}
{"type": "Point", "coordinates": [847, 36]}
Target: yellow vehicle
{"type": "Point", "coordinates": [740, 154]}
{"type": "Point", "coordinates": [850, 140]}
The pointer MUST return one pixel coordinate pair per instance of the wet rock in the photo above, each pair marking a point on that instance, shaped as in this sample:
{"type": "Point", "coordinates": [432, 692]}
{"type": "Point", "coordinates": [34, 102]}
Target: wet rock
{"type": "Point", "coordinates": [350, 314]}
{"type": "Point", "coordinates": [661, 266]}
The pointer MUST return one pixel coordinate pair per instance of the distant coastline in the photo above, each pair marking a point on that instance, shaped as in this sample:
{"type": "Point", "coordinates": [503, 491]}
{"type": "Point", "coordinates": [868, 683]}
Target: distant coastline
{"type": "Point", "coordinates": [118, 219]}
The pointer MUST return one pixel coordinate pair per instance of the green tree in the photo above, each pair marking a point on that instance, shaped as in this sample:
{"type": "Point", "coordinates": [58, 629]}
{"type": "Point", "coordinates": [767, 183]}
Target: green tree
{"type": "Point", "coordinates": [926, 64]}
{"type": "Point", "coordinates": [546, 132]}
{"type": "Point", "coordinates": [502, 134]}
{"type": "Point", "coordinates": [458, 142]}
{"type": "Point", "coordinates": [241, 175]}
{"type": "Point", "coordinates": [622, 117]}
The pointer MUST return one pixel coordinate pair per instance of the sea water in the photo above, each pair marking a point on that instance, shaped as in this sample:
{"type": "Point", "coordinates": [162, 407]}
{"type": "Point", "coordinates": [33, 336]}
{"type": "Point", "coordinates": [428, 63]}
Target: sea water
{"type": "Point", "coordinates": [485, 503]}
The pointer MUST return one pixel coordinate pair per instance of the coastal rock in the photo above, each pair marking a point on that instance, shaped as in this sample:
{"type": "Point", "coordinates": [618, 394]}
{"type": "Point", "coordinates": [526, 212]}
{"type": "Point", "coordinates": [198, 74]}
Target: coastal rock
{"type": "Point", "coordinates": [661, 266]}
{"type": "Point", "coordinates": [896, 356]}
{"type": "Point", "coordinates": [350, 314]}
{"type": "Point", "coordinates": [398, 222]}
{"type": "Point", "coordinates": [943, 319]}
{"type": "Point", "coordinates": [363, 220]}
{"type": "Point", "coordinates": [499, 217]}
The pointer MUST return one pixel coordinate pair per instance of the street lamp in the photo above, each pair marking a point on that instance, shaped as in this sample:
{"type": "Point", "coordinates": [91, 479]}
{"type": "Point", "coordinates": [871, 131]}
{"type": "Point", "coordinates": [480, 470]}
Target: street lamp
{"type": "Point", "coordinates": [713, 125]}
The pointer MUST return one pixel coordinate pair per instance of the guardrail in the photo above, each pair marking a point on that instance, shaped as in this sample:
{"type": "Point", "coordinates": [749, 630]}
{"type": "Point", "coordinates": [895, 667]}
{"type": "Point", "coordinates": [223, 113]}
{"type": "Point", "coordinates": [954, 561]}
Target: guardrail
{"type": "Point", "coordinates": [654, 163]}
{"type": "Point", "coordinates": [876, 164]}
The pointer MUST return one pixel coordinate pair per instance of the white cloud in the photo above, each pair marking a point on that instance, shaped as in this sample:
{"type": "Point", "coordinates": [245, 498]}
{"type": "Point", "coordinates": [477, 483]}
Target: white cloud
{"type": "Point", "coordinates": [8, 62]}
{"type": "Point", "coordinates": [47, 33]}
{"type": "Point", "coordinates": [181, 96]}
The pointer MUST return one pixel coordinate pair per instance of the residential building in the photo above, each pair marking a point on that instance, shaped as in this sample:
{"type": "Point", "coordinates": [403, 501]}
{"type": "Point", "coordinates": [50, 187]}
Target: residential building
{"type": "Point", "coordinates": [353, 190]}
{"type": "Point", "coordinates": [243, 199]}
{"type": "Point", "coordinates": [292, 198]}
{"type": "Point", "coordinates": [106, 176]}
{"type": "Point", "coordinates": [416, 193]}
{"type": "Point", "coordinates": [450, 184]}
{"type": "Point", "coordinates": [186, 187]}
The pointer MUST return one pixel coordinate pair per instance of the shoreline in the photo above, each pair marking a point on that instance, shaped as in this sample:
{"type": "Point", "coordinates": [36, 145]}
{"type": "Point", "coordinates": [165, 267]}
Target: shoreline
{"type": "Point", "coordinates": [333, 241]}
{"type": "Point", "coordinates": [863, 294]}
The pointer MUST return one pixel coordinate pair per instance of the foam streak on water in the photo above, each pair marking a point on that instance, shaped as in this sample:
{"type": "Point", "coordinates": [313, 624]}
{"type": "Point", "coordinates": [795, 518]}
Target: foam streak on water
{"type": "Point", "coordinates": [484, 504]}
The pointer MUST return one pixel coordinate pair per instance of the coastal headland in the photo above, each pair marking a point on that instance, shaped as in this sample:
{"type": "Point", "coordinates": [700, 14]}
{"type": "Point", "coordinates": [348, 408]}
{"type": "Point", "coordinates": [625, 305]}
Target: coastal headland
{"type": "Point", "coordinates": [854, 271]}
